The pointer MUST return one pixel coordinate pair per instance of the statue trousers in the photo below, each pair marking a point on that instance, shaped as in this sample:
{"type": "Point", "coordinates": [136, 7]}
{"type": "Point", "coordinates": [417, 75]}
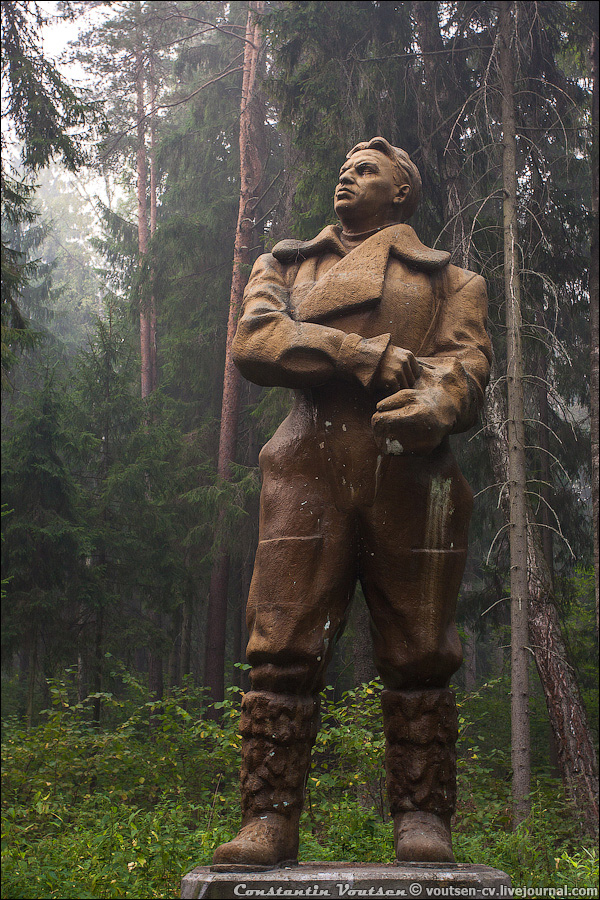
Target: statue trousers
{"type": "Point", "coordinates": [334, 510]}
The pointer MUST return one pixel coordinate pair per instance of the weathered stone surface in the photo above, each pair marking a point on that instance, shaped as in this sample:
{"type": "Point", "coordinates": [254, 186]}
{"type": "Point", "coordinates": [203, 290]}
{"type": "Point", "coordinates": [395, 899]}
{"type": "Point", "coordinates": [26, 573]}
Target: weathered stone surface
{"type": "Point", "coordinates": [421, 728]}
{"type": "Point", "coordinates": [384, 343]}
{"type": "Point", "coordinates": [279, 732]}
{"type": "Point", "coordinates": [334, 880]}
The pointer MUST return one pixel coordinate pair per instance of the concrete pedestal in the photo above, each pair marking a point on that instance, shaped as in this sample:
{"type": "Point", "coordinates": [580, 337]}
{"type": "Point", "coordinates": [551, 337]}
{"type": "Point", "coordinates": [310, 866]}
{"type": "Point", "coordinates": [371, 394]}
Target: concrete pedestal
{"type": "Point", "coordinates": [350, 880]}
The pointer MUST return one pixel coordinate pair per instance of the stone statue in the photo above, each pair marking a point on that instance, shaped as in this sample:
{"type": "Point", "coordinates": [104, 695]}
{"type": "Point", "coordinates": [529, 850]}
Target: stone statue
{"type": "Point", "coordinates": [385, 346]}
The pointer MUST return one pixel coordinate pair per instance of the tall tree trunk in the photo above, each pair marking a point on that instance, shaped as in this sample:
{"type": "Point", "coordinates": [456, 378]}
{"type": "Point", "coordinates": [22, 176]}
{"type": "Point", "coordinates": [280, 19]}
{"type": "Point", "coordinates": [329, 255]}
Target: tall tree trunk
{"type": "Point", "coordinates": [362, 646]}
{"type": "Point", "coordinates": [174, 658]}
{"type": "Point", "coordinates": [186, 641]}
{"type": "Point", "coordinates": [470, 659]}
{"type": "Point", "coordinates": [98, 664]}
{"type": "Point", "coordinates": [543, 440]}
{"type": "Point", "coordinates": [153, 220]}
{"type": "Point", "coordinates": [517, 471]}
{"type": "Point", "coordinates": [594, 315]}
{"type": "Point", "coordinates": [142, 218]}
{"type": "Point", "coordinates": [147, 314]}
{"type": "Point", "coordinates": [576, 756]}
{"type": "Point", "coordinates": [81, 677]}
{"type": "Point", "coordinates": [250, 177]}
{"type": "Point", "coordinates": [31, 675]}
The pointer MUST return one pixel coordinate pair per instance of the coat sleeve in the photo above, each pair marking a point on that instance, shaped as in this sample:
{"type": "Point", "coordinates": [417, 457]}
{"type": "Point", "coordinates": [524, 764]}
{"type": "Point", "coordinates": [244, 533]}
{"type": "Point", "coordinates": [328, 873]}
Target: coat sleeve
{"type": "Point", "coordinates": [272, 348]}
{"type": "Point", "coordinates": [458, 347]}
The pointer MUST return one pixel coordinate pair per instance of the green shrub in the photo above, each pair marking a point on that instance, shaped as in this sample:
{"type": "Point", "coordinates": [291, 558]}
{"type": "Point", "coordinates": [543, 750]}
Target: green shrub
{"type": "Point", "coordinates": [126, 811]}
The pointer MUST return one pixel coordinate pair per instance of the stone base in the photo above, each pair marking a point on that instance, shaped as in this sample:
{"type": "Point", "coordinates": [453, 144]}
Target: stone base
{"type": "Point", "coordinates": [350, 880]}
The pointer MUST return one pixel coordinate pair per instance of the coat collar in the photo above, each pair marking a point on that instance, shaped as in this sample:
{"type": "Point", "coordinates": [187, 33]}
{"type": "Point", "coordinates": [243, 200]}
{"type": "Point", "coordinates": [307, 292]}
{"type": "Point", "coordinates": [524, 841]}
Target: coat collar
{"type": "Point", "coordinates": [401, 241]}
{"type": "Point", "coordinates": [356, 281]}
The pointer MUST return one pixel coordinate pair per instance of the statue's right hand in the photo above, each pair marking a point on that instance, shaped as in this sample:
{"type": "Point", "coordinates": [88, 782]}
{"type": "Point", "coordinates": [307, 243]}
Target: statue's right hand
{"type": "Point", "coordinates": [398, 370]}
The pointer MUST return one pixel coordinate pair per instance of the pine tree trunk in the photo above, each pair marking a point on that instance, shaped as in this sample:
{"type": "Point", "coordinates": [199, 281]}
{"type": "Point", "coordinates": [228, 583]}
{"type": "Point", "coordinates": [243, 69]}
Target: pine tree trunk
{"type": "Point", "coordinates": [362, 647]}
{"type": "Point", "coordinates": [98, 664]}
{"type": "Point", "coordinates": [81, 677]}
{"type": "Point", "coordinates": [470, 663]}
{"type": "Point", "coordinates": [142, 219]}
{"type": "Point", "coordinates": [31, 676]}
{"type": "Point", "coordinates": [250, 176]}
{"type": "Point", "coordinates": [174, 659]}
{"type": "Point", "coordinates": [153, 219]}
{"type": "Point", "coordinates": [155, 659]}
{"type": "Point", "coordinates": [517, 474]}
{"type": "Point", "coordinates": [543, 440]}
{"type": "Point", "coordinates": [186, 642]}
{"type": "Point", "coordinates": [147, 375]}
{"type": "Point", "coordinates": [576, 756]}
{"type": "Point", "coordinates": [594, 314]}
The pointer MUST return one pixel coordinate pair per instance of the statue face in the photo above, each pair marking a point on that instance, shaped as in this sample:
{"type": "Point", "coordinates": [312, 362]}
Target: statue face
{"type": "Point", "coordinates": [366, 194]}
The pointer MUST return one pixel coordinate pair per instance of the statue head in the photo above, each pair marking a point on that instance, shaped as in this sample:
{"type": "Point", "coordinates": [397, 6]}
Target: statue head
{"type": "Point", "coordinates": [378, 185]}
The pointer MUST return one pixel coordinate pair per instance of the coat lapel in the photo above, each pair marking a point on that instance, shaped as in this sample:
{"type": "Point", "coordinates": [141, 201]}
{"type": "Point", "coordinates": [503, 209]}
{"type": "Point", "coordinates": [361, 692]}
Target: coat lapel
{"type": "Point", "coordinates": [356, 281]}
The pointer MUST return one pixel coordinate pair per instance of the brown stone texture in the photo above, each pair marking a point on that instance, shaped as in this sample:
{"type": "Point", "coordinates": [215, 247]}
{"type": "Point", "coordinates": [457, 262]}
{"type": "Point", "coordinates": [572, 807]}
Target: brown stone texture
{"type": "Point", "coordinates": [421, 729]}
{"type": "Point", "coordinates": [384, 344]}
{"type": "Point", "coordinates": [278, 733]}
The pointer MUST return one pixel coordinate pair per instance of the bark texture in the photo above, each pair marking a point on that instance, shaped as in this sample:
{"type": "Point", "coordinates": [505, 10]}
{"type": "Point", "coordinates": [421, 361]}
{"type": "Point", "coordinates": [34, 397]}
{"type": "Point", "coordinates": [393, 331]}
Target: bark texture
{"type": "Point", "coordinates": [576, 756]}
{"type": "Point", "coordinates": [251, 121]}
{"type": "Point", "coordinates": [142, 219]}
{"type": "Point", "coordinates": [153, 348]}
{"type": "Point", "coordinates": [594, 315]}
{"type": "Point", "coordinates": [517, 470]}
{"type": "Point", "coordinates": [147, 308]}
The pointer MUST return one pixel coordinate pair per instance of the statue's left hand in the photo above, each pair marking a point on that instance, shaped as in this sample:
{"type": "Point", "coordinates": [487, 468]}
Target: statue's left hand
{"type": "Point", "coordinates": [417, 420]}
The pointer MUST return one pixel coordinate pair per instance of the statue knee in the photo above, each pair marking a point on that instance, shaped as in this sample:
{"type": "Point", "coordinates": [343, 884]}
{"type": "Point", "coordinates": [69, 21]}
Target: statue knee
{"type": "Point", "coordinates": [285, 678]}
{"type": "Point", "coordinates": [427, 670]}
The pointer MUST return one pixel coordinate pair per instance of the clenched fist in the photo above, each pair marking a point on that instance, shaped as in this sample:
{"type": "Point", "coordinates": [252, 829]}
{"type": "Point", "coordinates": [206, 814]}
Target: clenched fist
{"type": "Point", "coordinates": [398, 370]}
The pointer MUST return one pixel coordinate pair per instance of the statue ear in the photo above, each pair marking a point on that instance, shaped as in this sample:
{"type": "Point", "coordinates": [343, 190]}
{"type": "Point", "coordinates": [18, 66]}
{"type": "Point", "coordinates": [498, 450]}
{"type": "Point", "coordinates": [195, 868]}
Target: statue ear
{"type": "Point", "coordinates": [402, 193]}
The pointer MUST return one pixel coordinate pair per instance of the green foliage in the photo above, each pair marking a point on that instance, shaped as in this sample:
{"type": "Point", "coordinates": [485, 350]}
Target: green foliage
{"type": "Point", "coordinates": [47, 117]}
{"type": "Point", "coordinates": [44, 542]}
{"type": "Point", "coordinates": [43, 108]}
{"type": "Point", "coordinates": [17, 270]}
{"type": "Point", "coordinates": [110, 813]}
{"type": "Point", "coordinates": [340, 76]}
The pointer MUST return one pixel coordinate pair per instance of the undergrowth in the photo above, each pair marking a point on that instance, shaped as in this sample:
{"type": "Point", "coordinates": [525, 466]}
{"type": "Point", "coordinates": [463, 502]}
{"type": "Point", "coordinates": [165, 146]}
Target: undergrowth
{"type": "Point", "coordinates": [124, 811]}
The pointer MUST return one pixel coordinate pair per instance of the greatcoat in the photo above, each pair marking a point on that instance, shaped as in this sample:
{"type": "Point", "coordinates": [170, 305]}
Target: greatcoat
{"type": "Point", "coordinates": [341, 497]}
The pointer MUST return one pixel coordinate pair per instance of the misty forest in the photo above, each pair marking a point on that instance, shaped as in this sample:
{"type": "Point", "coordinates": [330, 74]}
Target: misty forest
{"type": "Point", "coordinates": [151, 151]}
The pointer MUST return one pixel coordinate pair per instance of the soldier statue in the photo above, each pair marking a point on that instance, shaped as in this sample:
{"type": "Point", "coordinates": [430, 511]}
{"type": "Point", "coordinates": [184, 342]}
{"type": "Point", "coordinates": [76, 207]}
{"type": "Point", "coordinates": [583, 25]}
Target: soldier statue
{"type": "Point", "coordinates": [384, 345]}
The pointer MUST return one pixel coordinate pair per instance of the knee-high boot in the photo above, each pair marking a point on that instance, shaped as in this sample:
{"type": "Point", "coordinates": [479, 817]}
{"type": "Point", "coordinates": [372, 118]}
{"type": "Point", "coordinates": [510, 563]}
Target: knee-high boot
{"type": "Point", "coordinates": [421, 728]}
{"type": "Point", "coordinates": [278, 732]}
